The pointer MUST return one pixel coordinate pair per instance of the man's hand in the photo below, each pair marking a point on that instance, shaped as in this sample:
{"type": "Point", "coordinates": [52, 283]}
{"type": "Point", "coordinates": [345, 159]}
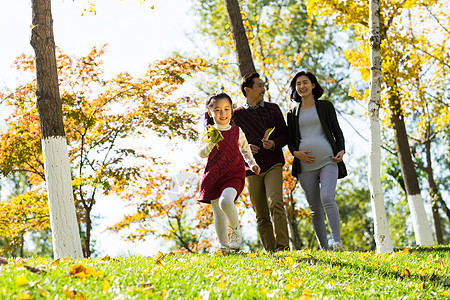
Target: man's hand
{"type": "Point", "coordinates": [268, 144]}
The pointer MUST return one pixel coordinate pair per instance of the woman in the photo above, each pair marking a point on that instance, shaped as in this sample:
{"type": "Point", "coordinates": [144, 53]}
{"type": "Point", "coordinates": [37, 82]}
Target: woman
{"type": "Point", "coordinates": [317, 144]}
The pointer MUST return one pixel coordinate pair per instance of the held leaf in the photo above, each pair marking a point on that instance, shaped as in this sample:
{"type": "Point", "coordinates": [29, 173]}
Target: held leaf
{"type": "Point", "coordinates": [268, 133]}
{"type": "Point", "coordinates": [213, 135]}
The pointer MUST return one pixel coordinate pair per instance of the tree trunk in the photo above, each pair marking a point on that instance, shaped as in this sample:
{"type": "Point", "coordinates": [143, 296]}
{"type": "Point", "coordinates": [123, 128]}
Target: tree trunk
{"type": "Point", "coordinates": [433, 190]}
{"type": "Point", "coordinates": [243, 52]}
{"type": "Point", "coordinates": [87, 241]}
{"type": "Point", "coordinates": [422, 228]}
{"type": "Point", "coordinates": [63, 221]}
{"type": "Point", "coordinates": [382, 236]}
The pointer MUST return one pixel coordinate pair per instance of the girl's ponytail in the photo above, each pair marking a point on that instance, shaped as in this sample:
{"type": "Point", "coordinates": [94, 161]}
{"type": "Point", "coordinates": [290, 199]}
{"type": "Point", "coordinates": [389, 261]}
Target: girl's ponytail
{"type": "Point", "coordinates": [208, 119]}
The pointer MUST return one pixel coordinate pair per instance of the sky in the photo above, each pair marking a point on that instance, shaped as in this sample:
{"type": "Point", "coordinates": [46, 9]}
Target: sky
{"type": "Point", "coordinates": [136, 35]}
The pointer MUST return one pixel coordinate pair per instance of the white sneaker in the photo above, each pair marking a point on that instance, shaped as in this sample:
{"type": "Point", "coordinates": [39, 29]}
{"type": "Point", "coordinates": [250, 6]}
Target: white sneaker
{"type": "Point", "coordinates": [337, 247]}
{"type": "Point", "coordinates": [236, 238]}
{"type": "Point", "coordinates": [224, 248]}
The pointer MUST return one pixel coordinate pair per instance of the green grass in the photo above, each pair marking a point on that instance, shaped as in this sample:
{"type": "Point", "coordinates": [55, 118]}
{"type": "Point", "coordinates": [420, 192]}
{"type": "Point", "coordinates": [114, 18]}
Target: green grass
{"type": "Point", "coordinates": [411, 273]}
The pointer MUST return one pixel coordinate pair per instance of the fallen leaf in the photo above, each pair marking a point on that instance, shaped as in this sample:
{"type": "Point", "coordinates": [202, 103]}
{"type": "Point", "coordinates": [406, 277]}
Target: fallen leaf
{"type": "Point", "coordinates": [267, 272]}
{"type": "Point", "coordinates": [405, 273]}
{"type": "Point", "coordinates": [76, 269]}
{"type": "Point", "coordinates": [21, 280]}
{"type": "Point", "coordinates": [55, 262]}
{"type": "Point", "coordinates": [159, 255]}
{"type": "Point", "coordinates": [24, 296]}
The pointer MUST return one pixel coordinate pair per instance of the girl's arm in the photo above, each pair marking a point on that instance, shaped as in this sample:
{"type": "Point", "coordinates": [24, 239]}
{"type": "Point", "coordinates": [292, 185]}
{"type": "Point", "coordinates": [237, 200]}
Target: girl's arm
{"type": "Point", "coordinates": [245, 150]}
{"type": "Point", "coordinates": [204, 149]}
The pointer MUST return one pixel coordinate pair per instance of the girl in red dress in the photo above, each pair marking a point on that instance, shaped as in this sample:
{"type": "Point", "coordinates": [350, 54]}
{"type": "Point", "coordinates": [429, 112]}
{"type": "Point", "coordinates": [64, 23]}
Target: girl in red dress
{"type": "Point", "coordinates": [224, 176]}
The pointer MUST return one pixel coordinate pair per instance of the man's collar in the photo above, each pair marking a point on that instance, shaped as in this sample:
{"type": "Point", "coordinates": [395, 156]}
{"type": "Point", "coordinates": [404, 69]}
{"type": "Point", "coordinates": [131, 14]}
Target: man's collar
{"type": "Point", "coordinates": [248, 106]}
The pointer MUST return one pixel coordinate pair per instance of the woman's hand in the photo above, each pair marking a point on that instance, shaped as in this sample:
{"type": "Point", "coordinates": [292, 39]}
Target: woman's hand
{"type": "Point", "coordinates": [339, 157]}
{"type": "Point", "coordinates": [256, 169]}
{"type": "Point", "coordinates": [303, 156]}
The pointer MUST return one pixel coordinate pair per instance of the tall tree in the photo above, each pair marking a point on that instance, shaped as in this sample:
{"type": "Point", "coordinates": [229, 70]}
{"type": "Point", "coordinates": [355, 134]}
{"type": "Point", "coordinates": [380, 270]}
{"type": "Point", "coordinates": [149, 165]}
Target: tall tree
{"type": "Point", "coordinates": [63, 221]}
{"type": "Point", "coordinates": [382, 236]}
{"type": "Point", "coordinates": [410, 51]}
{"type": "Point", "coordinates": [242, 48]}
{"type": "Point", "coordinates": [101, 114]}
{"type": "Point", "coordinates": [283, 39]}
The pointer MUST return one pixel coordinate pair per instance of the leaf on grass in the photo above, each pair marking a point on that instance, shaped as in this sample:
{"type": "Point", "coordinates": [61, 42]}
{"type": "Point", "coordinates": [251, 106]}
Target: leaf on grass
{"type": "Point", "coordinates": [82, 272]}
{"type": "Point", "coordinates": [288, 286]}
{"type": "Point", "coordinates": [3, 261]}
{"type": "Point", "coordinates": [394, 268]}
{"type": "Point", "coordinates": [221, 285]}
{"type": "Point", "coordinates": [159, 255]}
{"type": "Point", "coordinates": [21, 280]}
{"type": "Point", "coordinates": [160, 263]}
{"type": "Point", "coordinates": [73, 294]}
{"type": "Point", "coordinates": [406, 250]}
{"type": "Point", "coordinates": [405, 273]}
{"type": "Point", "coordinates": [24, 296]}
{"type": "Point", "coordinates": [446, 293]}
{"type": "Point", "coordinates": [305, 296]}
{"type": "Point", "coordinates": [421, 285]}
{"type": "Point", "coordinates": [35, 269]}
{"type": "Point", "coordinates": [220, 253]}
{"type": "Point", "coordinates": [106, 286]}
{"type": "Point", "coordinates": [55, 263]}
{"type": "Point", "coordinates": [79, 268]}
{"type": "Point", "coordinates": [212, 265]}
{"type": "Point", "coordinates": [249, 269]}
{"type": "Point", "coordinates": [106, 257]}
{"type": "Point", "coordinates": [290, 260]}
{"type": "Point", "coordinates": [267, 272]}
{"type": "Point", "coordinates": [251, 255]}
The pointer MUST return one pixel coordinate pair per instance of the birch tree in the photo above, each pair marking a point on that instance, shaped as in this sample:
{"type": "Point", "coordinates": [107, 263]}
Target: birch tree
{"type": "Point", "coordinates": [401, 34]}
{"type": "Point", "coordinates": [63, 221]}
{"type": "Point", "coordinates": [382, 236]}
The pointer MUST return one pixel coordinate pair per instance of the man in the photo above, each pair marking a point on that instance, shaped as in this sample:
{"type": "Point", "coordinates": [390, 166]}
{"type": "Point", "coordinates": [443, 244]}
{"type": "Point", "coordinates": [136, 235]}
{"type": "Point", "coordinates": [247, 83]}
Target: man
{"type": "Point", "coordinates": [265, 189]}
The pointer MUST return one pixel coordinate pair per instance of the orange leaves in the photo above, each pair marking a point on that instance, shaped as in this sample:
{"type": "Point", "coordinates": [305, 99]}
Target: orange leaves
{"type": "Point", "coordinates": [82, 272]}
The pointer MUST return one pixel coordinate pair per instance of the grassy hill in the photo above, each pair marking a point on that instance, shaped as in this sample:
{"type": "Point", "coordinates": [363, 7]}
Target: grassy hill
{"type": "Point", "coordinates": [410, 273]}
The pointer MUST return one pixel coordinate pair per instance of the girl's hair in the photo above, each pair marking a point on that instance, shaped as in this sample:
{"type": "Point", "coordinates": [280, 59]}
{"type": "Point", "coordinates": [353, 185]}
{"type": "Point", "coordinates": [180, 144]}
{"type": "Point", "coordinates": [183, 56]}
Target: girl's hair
{"type": "Point", "coordinates": [210, 103]}
{"type": "Point", "coordinates": [317, 90]}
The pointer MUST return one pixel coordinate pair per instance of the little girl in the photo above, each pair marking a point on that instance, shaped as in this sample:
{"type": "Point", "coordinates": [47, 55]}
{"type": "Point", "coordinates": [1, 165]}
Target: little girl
{"type": "Point", "coordinates": [224, 176]}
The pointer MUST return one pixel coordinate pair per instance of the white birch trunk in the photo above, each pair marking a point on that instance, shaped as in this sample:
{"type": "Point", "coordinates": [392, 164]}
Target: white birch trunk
{"type": "Point", "coordinates": [382, 236]}
{"type": "Point", "coordinates": [63, 221]}
{"type": "Point", "coordinates": [422, 228]}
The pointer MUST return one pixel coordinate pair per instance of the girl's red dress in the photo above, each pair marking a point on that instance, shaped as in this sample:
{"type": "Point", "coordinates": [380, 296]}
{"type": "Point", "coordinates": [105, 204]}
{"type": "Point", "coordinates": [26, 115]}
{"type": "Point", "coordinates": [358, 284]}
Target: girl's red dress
{"type": "Point", "coordinates": [225, 168]}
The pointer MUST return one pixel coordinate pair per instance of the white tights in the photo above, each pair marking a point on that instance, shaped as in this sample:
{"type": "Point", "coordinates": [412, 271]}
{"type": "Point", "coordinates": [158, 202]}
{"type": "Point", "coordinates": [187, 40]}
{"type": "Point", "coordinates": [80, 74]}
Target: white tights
{"type": "Point", "coordinates": [224, 208]}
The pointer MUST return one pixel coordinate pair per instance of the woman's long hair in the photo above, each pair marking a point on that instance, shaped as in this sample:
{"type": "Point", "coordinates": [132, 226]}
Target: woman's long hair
{"type": "Point", "coordinates": [317, 90]}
